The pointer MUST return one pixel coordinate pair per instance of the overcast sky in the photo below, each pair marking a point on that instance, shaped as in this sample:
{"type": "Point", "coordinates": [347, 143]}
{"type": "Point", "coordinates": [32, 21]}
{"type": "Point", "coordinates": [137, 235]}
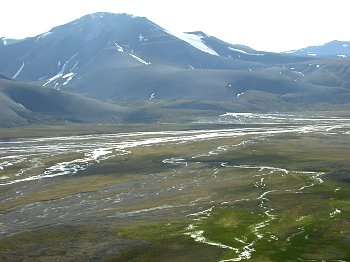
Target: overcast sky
{"type": "Point", "coordinates": [271, 25]}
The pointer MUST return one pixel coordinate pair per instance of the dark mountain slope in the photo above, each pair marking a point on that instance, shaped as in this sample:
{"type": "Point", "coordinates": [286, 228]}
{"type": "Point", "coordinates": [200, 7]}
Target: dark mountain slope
{"type": "Point", "coordinates": [168, 83]}
{"type": "Point", "coordinates": [58, 57]}
{"type": "Point", "coordinates": [65, 49]}
{"type": "Point", "coordinates": [23, 104]}
{"type": "Point", "coordinates": [326, 72]}
{"type": "Point", "coordinates": [174, 83]}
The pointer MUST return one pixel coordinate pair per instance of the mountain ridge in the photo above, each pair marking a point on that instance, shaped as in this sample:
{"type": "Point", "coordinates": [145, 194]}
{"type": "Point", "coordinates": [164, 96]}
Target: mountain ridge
{"type": "Point", "coordinates": [126, 59]}
{"type": "Point", "coordinates": [25, 104]}
{"type": "Point", "coordinates": [332, 49]}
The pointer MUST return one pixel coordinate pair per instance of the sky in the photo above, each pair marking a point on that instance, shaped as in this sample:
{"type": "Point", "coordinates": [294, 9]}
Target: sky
{"type": "Point", "coordinates": [269, 25]}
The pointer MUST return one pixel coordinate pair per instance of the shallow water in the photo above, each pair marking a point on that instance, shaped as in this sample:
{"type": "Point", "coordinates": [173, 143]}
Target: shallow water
{"type": "Point", "coordinates": [95, 148]}
{"type": "Point", "coordinates": [184, 187]}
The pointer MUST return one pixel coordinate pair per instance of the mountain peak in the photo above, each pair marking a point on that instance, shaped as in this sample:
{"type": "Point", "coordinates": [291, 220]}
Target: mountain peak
{"type": "Point", "coordinates": [101, 15]}
{"type": "Point", "coordinates": [335, 49]}
{"type": "Point", "coordinates": [100, 19]}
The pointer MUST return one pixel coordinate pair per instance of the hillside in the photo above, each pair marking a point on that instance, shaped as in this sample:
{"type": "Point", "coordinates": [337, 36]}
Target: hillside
{"type": "Point", "coordinates": [120, 58]}
{"type": "Point", "coordinates": [24, 104]}
{"type": "Point", "coordinates": [333, 49]}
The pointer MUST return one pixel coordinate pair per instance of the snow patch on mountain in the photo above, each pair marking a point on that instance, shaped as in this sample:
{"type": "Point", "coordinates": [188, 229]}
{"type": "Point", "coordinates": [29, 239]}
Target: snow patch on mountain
{"type": "Point", "coordinates": [68, 61]}
{"type": "Point", "coordinates": [68, 75]}
{"type": "Point", "coordinates": [343, 56]}
{"type": "Point", "coordinates": [299, 73]}
{"type": "Point", "coordinates": [140, 60]}
{"type": "Point", "coordinates": [69, 78]}
{"type": "Point", "coordinates": [61, 72]}
{"type": "Point", "coordinates": [195, 41]}
{"type": "Point", "coordinates": [142, 38]}
{"type": "Point", "coordinates": [43, 36]}
{"type": "Point", "coordinates": [18, 71]}
{"type": "Point", "coordinates": [238, 95]}
{"type": "Point", "coordinates": [9, 41]}
{"type": "Point", "coordinates": [244, 52]}
{"type": "Point", "coordinates": [75, 65]}
{"type": "Point", "coordinates": [53, 78]}
{"type": "Point", "coordinates": [119, 48]}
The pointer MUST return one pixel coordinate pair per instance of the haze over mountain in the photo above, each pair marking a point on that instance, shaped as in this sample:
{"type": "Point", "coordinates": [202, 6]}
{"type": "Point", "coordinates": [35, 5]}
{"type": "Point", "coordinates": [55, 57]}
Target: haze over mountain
{"type": "Point", "coordinates": [123, 58]}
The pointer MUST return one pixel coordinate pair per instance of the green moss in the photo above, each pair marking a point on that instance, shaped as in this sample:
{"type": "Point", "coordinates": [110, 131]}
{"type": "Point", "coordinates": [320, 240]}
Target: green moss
{"type": "Point", "coordinates": [165, 242]}
{"type": "Point", "coordinates": [302, 227]}
{"type": "Point", "coordinates": [155, 232]}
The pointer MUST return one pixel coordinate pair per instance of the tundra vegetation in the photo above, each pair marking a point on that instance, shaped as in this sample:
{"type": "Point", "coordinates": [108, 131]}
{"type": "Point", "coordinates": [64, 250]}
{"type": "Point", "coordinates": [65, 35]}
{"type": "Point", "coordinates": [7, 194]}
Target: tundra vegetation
{"type": "Point", "coordinates": [240, 187]}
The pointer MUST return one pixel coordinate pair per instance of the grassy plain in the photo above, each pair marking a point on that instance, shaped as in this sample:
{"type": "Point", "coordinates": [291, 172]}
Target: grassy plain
{"type": "Point", "coordinates": [283, 197]}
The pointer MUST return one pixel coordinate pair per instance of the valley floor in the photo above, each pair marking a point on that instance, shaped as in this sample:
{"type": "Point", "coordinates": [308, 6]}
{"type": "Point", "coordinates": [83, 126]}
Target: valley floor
{"type": "Point", "coordinates": [259, 187]}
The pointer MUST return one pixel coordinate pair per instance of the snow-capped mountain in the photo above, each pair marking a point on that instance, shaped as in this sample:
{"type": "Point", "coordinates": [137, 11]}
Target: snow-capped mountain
{"type": "Point", "coordinates": [57, 57]}
{"type": "Point", "coordinates": [333, 49]}
{"type": "Point", "coordinates": [120, 57]}
{"type": "Point", "coordinates": [122, 40]}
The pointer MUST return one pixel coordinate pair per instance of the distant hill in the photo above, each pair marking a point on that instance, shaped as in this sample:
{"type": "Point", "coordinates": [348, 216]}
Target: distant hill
{"type": "Point", "coordinates": [333, 49]}
{"type": "Point", "coordinates": [24, 104]}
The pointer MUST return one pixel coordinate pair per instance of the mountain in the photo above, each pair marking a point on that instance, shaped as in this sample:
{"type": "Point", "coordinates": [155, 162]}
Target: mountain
{"type": "Point", "coordinates": [59, 57]}
{"type": "Point", "coordinates": [24, 104]}
{"type": "Point", "coordinates": [125, 59]}
{"type": "Point", "coordinates": [333, 49]}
